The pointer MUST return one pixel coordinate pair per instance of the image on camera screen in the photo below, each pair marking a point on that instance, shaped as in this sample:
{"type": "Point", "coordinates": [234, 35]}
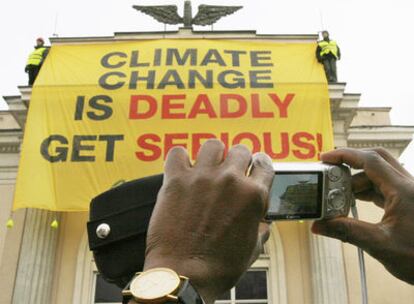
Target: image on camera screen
{"type": "Point", "coordinates": [296, 195]}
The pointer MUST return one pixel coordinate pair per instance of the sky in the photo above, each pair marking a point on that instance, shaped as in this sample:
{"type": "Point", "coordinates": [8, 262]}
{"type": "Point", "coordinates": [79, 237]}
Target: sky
{"type": "Point", "coordinates": [375, 38]}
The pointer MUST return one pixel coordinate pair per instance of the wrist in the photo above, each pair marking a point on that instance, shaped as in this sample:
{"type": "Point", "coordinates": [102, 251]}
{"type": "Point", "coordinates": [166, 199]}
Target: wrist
{"type": "Point", "coordinates": [191, 270]}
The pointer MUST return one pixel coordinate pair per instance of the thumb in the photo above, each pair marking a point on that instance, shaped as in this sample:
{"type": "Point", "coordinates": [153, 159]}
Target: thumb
{"type": "Point", "coordinates": [365, 235]}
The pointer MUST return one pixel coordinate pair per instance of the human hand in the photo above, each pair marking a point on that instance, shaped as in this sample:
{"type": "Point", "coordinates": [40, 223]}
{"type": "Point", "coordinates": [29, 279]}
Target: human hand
{"type": "Point", "coordinates": [386, 183]}
{"type": "Point", "coordinates": [206, 224]}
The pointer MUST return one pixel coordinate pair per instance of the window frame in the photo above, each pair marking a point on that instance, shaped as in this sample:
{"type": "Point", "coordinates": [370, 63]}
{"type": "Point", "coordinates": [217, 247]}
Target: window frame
{"type": "Point", "coordinates": [261, 264]}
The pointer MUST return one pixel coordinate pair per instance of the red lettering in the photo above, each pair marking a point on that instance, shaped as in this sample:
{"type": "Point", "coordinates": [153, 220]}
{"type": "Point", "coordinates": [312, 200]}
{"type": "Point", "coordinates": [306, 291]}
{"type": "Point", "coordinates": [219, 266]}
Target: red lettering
{"type": "Point", "coordinates": [169, 142]}
{"type": "Point", "coordinates": [284, 145]}
{"type": "Point", "coordinates": [301, 145]}
{"type": "Point", "coordinates": [302, 140]}
{"type": "Point", "coordinates": [144, 143]}
{"type": "Point", "coordinates": [250, 136]}
{"type": "Point", "coordinates": [282, 105]}
{"type": "Point", "coordinates": [256, 113]}
{"type": "Point", "coordinates": [168, 106]}
{"type": "Point", "coordinates": [202, 105]}
{"type": "Point", "coordinates": [133, 107]}
{"type": "Point", "coordinates": [225, 108]}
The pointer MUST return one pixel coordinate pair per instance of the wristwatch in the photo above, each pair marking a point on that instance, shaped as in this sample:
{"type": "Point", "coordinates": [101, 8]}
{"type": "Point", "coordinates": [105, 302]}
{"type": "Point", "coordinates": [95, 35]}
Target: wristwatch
{"type": "Point", "coordinates": [159, 286]}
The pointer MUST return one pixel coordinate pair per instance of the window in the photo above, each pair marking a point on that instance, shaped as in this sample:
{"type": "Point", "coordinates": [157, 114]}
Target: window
{"type": "Point", "coordinates": [251, 289]}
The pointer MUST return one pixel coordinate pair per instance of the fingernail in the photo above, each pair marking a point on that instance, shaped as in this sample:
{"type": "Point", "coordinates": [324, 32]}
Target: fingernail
{"type": "Point", "coordinates": [262, 157]}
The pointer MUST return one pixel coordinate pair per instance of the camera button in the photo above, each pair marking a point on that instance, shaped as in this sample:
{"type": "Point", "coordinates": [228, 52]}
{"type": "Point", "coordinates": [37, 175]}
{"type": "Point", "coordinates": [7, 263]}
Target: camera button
{"type": "Point", "coordinates": [335, 174]}
{"type": "Point", "coordinates": [336, 199]}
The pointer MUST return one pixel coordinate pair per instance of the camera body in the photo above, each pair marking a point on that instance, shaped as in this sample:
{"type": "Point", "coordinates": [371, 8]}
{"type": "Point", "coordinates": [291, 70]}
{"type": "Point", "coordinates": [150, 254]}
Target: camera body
{"type": "Point", "coordinates": [310, 191]}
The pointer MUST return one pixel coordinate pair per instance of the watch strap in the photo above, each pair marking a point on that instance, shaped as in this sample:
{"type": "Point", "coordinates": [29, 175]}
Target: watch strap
{"type": "Point", "coordinates": [187, 294]}
{"type": "Point", "coordinates": [126, 297]}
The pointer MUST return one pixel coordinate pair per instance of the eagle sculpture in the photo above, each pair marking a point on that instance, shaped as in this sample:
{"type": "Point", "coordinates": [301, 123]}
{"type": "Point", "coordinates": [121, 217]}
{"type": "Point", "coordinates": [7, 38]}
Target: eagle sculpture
{"type": "Point", "coordinates": [206, 15]}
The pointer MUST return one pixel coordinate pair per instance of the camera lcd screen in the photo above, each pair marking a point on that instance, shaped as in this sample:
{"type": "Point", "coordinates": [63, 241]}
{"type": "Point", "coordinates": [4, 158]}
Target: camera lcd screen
{"type": "Point", "coordinates": [296, 195]}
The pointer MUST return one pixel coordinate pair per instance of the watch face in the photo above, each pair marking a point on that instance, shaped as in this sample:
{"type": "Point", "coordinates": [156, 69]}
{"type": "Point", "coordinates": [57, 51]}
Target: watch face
{"type": "Point", "coordinates": [155, 284]}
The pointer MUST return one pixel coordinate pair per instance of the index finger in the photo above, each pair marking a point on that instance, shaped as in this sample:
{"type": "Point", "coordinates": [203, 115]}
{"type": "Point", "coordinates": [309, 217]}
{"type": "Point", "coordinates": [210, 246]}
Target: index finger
{"type": "Point", "coordinates": [377, 169]}
{"type": "Point", "coordinates": [392, 161]}
{"type": "Point", "coordinates": [262, 170]}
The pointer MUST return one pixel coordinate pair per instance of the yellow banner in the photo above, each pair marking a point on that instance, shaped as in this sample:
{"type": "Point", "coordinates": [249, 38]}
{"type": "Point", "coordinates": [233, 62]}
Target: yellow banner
{"type": "Point", "coordinates": [109, 112]}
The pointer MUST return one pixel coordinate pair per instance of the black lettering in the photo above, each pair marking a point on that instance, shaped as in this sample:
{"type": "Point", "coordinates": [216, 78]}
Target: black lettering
{"type": "Point", "coordinates": [171, 78]}
{"type": "Point", "coordinates": [235, 56]}
{"type": "Point", "coordinates": [255, 79]}
{"type": "Point", "coordinates": [96, 105]}
{"type": "Point", "coordinates": [105, 60]}
{"type": "Point", "coordinates": [181, 60]}
{"type": "Point", "coordinates": [60, 153]}
{"type": "Point", "coordinates": [103, 81]}
{"type": "Point", "coordinates": [157, 57]}
{"type": "Point", "coordinates": [150, 79]}
{"type": "Point", "coordinates": [135, 60]}
{"type": "Point", "coordinates": [206, 81]}
{"type": "Point", "coordinates": [78, 148]}
{"type": "Point", "coordinates": [80, 103]}
{"type": "Point", "coordinates": [256, 58]}
{"type": "Point", "coordinates": [237, 82]}
{"type": "Point", "coordinates": [110, 145]}
{"type": "Point", "coordinates": [213, 56]}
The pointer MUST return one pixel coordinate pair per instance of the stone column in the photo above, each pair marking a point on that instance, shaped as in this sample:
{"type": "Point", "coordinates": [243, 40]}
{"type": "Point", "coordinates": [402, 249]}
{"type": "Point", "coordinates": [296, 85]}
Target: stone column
{"type": "Point", "coordinates": [328, 271]}
{"type": "Point", "coordinates": [37, 258]}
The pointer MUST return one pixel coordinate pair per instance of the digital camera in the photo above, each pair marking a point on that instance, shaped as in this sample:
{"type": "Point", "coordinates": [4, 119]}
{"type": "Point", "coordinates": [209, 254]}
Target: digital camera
{"type": "Point", "coordinates": [309, 191]}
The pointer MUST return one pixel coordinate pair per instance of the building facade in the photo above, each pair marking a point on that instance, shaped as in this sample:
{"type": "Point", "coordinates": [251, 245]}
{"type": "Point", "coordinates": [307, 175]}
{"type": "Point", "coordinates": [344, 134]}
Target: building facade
{"type": "Point", "coordinates": [39, 264]}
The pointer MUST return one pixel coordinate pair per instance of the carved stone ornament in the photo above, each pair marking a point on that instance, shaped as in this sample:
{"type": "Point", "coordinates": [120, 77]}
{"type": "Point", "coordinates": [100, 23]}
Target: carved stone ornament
{"type": "Point", "coordinates": [206, 15]}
